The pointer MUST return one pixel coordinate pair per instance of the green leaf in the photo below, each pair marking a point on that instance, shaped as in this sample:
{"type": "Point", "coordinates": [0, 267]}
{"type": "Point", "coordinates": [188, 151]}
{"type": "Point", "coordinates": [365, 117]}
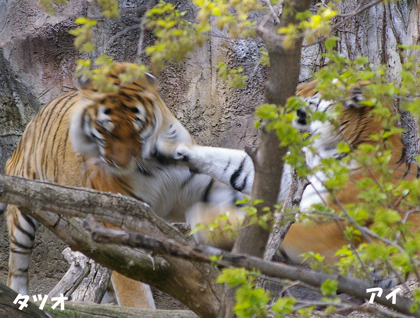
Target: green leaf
{"type": "Point", "coordinates": [283, 306]}
{"type": "Point", "coordinates": [343, 147]}
{"type": "Point", "coordinates": [199, 227]}
{"type": "Point", "coordinates": [329, 287]}
{"type": "Point", "coordinates": [267, 111]}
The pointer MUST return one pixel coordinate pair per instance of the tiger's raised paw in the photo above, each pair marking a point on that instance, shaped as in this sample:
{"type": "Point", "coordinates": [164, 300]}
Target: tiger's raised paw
{"type": "Point", "coordinates": [173, 153]}
{"type": "Point", "coordinates": [183, 153]}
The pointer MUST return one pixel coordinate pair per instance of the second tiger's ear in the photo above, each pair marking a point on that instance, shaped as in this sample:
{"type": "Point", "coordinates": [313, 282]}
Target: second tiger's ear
{"type": "Point", "coordinates": [356, 98]}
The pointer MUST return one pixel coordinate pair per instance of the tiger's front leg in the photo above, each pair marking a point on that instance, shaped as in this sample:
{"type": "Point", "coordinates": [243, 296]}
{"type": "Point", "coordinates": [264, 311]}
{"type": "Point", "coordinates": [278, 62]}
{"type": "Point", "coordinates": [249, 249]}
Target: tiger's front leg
{"type": "Point", "coordinates": [229, 166]}
{"type": "Point", "coordinates": [21, 228]}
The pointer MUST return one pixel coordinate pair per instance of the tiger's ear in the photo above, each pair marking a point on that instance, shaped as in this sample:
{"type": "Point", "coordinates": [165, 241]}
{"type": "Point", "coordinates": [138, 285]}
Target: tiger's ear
{"type": "Point", "coordinates": [86, 88]}
{"type": "Point", "coordinates": [151, 79]}
{"type": "Point", "coordinates": [84, 82]}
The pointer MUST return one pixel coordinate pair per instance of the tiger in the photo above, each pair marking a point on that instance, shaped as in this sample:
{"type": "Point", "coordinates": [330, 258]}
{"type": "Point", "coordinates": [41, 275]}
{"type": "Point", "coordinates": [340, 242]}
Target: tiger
{"type": "Point", "coordinates": [356, 125]}
{"type": "Point", "coordinates": [107, 141]}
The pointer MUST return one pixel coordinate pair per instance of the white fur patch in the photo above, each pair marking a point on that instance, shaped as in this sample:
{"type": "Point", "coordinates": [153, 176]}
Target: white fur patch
{"type": "Point", "coordinates": [81, 140]}
{"type": "Point", "coordinates": [104, 120]}
{"type": "Point", "coordinates": [141, 115]}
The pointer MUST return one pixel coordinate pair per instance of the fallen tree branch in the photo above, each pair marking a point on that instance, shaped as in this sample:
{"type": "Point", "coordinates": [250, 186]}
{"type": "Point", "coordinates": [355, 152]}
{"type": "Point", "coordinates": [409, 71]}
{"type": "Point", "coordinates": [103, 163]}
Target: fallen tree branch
{"type": "Point", "coordinates": [9, 309]}
{"type": "Point", "coordinates": [191, 282]}
{"type": "Point", "coordinates": [350, 286]}
{"type": "Point", "coordinates": [85, 280]}
{"type": "Point", "coordinates": [89, 310]}
{"type": "Point", "coordinates": [108, 207]}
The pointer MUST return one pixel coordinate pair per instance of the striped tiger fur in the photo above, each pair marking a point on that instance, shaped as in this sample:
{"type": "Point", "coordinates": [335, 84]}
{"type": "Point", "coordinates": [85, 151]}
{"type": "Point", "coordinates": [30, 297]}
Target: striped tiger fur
{"type": "Point", "coordinates": [107, 142]}
{"type": "Point", "coordinates": [235, 168]}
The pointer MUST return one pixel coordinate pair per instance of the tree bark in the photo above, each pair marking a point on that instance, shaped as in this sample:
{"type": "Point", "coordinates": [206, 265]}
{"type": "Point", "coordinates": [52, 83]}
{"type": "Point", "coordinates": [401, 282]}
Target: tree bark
{"type": "Point", "coordinates": [282, 82]}
{"type": "Point", "coordinates": [94, 286]}
{"type": "Point", "coordinates": [297, 186]}
{"type": "Point", "coordinates": [79, 268]}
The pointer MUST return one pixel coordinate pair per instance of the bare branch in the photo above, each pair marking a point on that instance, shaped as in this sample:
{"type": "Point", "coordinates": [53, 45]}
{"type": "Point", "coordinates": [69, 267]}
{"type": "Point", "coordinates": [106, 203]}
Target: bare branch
{"type": "Point", "coordinates": [141, 37]}
{"type": "Point", "coordinates": [272, 11]}
{"type": "Point", "coordinates": [350, 286]}
{"type": "Point", "coordinates": [118, 35]}
{"type": "Point", "coordinates": [297, 186]}
{"type": "Point", "coordinates": [359, 9]}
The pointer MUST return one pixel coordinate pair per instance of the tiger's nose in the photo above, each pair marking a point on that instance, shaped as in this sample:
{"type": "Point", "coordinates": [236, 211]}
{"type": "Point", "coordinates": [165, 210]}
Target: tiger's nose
{"type": "Point", "coordinates": [301, 117]}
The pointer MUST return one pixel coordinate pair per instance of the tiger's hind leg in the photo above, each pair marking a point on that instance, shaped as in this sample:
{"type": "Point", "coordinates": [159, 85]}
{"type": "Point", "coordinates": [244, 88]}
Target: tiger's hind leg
{"type": "Point", "coordinates": [132, 293]}
{"type": "Point", "coordinates": [21, 228]}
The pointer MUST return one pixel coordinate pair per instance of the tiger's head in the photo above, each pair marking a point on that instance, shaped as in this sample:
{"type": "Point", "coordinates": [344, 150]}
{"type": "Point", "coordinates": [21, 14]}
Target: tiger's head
{"type": "Point", "coordinates": [354, 124]}
{"type": "Point", "coordinates": [121, 128]}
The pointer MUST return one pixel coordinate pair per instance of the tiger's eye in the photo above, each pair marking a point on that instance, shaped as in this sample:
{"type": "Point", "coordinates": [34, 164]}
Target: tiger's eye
{"type": "Point", "coordinates": [135, 110]}
{"type": "Point", "coordinates": [107, 111]}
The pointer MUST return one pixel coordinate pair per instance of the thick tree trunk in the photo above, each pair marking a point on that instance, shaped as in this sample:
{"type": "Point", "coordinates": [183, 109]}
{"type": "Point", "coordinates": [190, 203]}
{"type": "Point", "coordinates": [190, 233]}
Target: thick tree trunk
{"type": "Point", "coordinates": [268, 162]}
{"type": "Point", "coordinates": [282, 82]}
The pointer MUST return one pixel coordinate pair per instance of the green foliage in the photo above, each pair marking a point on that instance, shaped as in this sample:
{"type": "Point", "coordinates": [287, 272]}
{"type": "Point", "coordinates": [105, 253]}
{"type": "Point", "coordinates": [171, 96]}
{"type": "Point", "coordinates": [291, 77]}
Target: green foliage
{"type": "Point", "coordinates": [233, 77]}
{"type": "Point", "coordinates": [109, 8]}
{"type": "Point", "coordinates": [84, 34]}
{"type": "Point", "coordinates": [221, 227]}
{"type": "Point", "coordinates": [99, 76]}
{"type": "Point", "coordinates": [329, 287]}
{"type": "Point", "coordinates": [416, 294]}
{"type": "Point", "coordinates": [250, 209]}
{"type": "Point", "coordinates": [176, 36]}
{"type": "Point", "coordinates": [311, 25]}
{"type": "Point", "coordinates": [264, 58]}
{"type": "Point", "coordinates": [229, 15]}
{"type": "Point", "coordinates": [252, 301]}
{"type": "Point", "coordinates": [382, 200]}
{"type": "Point", "coordinates": [283, 306]}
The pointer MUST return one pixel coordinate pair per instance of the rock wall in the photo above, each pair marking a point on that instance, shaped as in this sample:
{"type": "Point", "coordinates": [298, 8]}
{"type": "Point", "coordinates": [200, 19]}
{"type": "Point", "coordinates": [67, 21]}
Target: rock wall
{"type": "Point", "coordinates": [37, 59]}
